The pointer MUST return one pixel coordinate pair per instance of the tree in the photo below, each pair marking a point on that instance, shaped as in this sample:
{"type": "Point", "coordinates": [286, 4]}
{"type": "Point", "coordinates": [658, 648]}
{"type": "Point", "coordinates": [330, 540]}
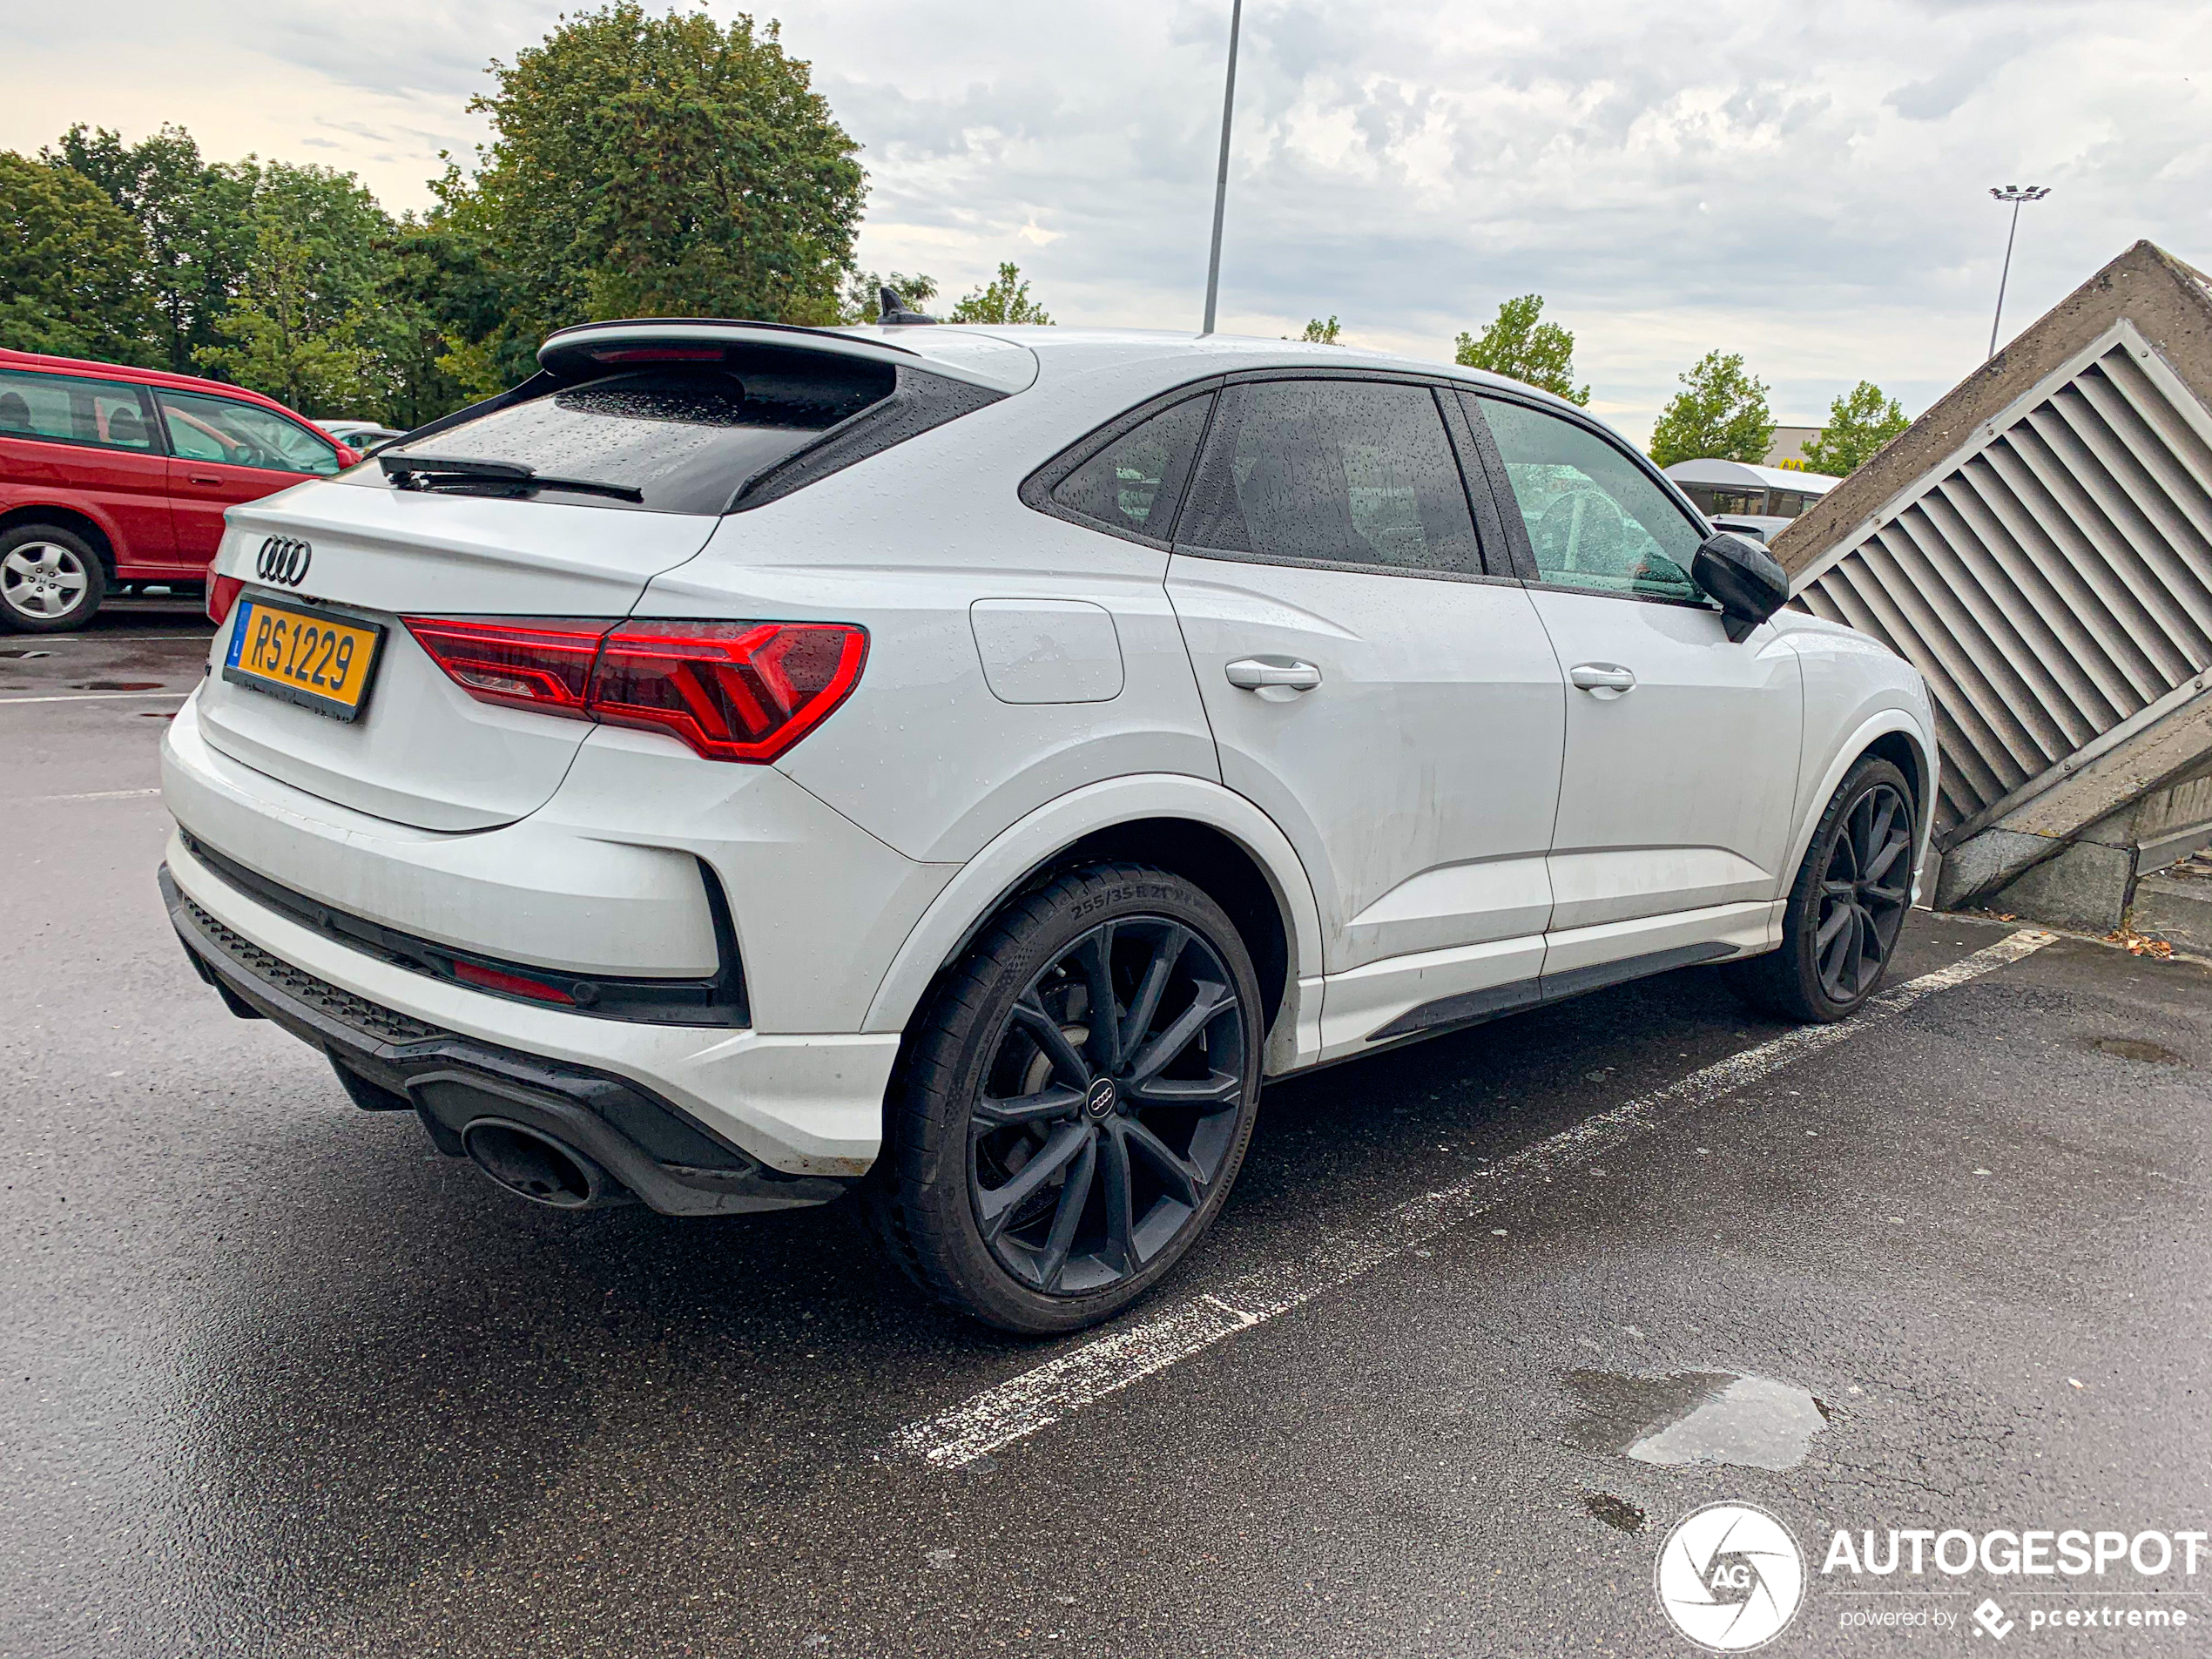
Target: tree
{"type": "Point", "coordinates": [195, 220]}
{"type": "Point", "coordinates": [311, 325]}
{"type": "Point", "coordinates": [1721, 416]}
{"type": "Point", "coordinates": [1859, 422]}
{"type": "Point", "coordinates": [71, 265]}
{"type": "Point", "coordinates": [1318, 332]}
{"type": "Point", "coordinates": [863, 294]}
{"type": "Point", "coordinates": [1005, 299]}
{"type": "Point", "coordinates": [658, 166]}
{"type": "Point", "coordinates": [1521, 347]}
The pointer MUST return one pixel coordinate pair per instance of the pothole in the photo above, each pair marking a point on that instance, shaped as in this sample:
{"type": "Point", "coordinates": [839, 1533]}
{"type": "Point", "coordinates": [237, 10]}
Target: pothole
{"type": "Point", "coordinates": [120, 685]}
{"type": "Point", "coordinates": [1617, 1513]}
{"type": "Point", "coordinates": [1695, 1417]}
{"type": "Point", "coordinates": [2141, 1049]}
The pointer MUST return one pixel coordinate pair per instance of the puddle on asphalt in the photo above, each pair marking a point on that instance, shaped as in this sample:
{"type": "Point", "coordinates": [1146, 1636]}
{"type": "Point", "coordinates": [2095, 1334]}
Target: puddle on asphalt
{"type": "Point", "coordinates": [2137, 1048]}
{"type": "Point", "coordinates": [1695, 1417]}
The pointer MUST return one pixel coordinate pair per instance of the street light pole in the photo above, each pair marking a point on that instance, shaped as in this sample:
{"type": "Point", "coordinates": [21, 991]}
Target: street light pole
{"type": "Point", "coordinates": [2014, 194]}
{"type": "Point", "coordinates": [1220, 176]}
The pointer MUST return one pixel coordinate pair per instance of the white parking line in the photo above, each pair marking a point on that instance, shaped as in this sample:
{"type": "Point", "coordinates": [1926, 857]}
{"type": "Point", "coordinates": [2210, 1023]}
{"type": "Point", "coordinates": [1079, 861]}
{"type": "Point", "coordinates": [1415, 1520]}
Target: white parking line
{"type": "Point", "coordinates": [95, 697]}
{"type": "Point", "coordinates": [1020, 1405]}
{"type": "Point", "coordinates": [96, 795]}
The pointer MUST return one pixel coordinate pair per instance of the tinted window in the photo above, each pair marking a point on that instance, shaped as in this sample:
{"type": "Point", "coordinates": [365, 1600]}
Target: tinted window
{"type": "Point", "coordinates": [1596, 519]}
{"type": "Point", "coordinates": [1339, 472]}
{"type": "Point", "coordinates": [241, 435]}
{"type": "Point", "coordinates": [1135, 482]}
{"type": "Point", "coordinates": [73, 410]}
{"type": "Point", "coordinates": [687, 438]}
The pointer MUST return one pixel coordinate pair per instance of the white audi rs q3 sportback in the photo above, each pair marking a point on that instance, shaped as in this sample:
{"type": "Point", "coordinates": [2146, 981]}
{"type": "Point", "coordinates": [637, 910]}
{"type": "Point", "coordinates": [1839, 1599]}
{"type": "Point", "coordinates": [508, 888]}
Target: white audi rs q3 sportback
{"type": "Point", "coordinates": [744, 765]}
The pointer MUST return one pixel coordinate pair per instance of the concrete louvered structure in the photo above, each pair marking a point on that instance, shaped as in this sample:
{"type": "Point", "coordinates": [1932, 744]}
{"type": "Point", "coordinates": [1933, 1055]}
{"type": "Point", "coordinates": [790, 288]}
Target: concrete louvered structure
{"type": "Point", "coordinates": [2038, 545]}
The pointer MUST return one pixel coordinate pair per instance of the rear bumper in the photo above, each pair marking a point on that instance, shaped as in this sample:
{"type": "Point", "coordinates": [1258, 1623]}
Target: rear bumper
{"type": "Point", "coordinates": [794, 1105]}
{"type": "Point", "coordinates": [453, 1081]}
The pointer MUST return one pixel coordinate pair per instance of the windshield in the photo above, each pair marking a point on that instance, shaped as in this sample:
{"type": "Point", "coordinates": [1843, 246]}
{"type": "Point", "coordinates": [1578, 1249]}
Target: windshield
{"type": "Point", "coordinates": [685, 440]}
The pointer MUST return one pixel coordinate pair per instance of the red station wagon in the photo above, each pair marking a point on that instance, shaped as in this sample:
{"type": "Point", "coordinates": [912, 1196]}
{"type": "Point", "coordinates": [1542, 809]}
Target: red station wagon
{"type": "Point", "coordinates": [112, 477]}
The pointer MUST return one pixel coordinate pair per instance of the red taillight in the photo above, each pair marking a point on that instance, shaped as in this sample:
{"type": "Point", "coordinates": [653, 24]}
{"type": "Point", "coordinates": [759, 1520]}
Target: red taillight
{"type": "Point", "coordinates": [491, 978]}
{"type": "Point", "coordinates": [542, 663]}
{"type": "Point", "coordinates": [222, 594]}
{"type": "Point", "coordinates": [732, 690]}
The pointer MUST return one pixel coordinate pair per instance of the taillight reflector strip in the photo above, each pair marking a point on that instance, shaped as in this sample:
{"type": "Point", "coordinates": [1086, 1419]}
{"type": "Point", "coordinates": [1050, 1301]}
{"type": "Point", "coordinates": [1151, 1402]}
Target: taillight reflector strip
{"type": "Point", "coordinates": [492, 979]}
{"type": "Point", "coordinates": [732, 690]}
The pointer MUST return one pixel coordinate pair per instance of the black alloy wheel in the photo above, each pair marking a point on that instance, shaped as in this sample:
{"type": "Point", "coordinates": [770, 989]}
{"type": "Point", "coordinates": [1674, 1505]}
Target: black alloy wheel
{"type": "Point", "coordinates": [1846, 908]}
{"type": "Point", "coordinates": [1109, 1108]}
{"type": "Point", "coordinates": [1864, 893]}
{"type": "Point", "coordinates": [1074, 1102]}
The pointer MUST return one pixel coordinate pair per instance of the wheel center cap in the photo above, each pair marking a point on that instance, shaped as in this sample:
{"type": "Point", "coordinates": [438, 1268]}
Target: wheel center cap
{"type": "Point", "coordinates": [1098, 1099]}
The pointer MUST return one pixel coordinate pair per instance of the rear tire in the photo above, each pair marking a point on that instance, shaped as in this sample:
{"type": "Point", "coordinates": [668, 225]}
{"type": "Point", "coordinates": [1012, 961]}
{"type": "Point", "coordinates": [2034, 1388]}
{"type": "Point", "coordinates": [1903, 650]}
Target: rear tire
{"type": "Point", "coordinates": [51, 581]}
{"type": "Point", "coordinates": [1847, 906]}
{"type": "Point", "coordinates": [1045, 1167]}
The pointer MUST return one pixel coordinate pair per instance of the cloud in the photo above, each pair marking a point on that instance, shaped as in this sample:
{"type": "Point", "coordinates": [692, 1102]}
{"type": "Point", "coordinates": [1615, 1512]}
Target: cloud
{"type": "Point", "coordinates": [1804, 184]}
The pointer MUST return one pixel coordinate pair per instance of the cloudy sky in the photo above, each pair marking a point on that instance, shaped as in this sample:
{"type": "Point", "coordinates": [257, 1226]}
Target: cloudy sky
{"type": "Point", "coordinates": [1803, 182]}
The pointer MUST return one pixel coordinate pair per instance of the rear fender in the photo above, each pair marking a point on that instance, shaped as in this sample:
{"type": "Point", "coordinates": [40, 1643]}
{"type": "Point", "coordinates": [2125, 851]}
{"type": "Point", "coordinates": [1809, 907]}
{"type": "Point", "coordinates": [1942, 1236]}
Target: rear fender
{"type": "Point", "coordinates": [999, 869]}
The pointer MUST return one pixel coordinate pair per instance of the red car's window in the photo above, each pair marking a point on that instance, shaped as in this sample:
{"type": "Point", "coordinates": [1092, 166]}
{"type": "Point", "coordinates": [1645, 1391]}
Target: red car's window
{"type": "Point", "coordinates": [71, 410]}
{"type": "Point", "coordinates": [239, 435]}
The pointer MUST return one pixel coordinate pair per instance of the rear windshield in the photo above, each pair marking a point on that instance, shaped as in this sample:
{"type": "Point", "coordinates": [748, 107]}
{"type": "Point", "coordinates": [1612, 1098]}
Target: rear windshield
{"type": "Point", "coordinates": [686, 440]}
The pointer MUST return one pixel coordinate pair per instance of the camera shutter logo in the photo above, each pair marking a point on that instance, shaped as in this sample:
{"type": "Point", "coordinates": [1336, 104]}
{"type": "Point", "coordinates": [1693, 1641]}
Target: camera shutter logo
{"type": "Point", "coordinates": [284, 560]}
{"type": "Point", "coordinates": [1731, 1577]}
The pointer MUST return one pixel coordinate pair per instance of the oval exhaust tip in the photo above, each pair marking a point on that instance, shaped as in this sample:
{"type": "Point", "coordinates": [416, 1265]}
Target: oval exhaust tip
{"type": "Point", "coordinates": [536, 1166]}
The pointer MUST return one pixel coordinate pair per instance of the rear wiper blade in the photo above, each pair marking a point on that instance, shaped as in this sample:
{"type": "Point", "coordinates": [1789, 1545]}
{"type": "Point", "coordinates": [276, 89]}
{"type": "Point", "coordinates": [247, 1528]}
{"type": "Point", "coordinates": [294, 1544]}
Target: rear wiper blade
{"type": "Point", "coordinates": [439, 472]}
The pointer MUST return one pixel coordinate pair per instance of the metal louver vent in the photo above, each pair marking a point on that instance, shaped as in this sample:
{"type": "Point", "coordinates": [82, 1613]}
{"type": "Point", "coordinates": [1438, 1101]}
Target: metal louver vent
{"type": "Point", "coordinates": [2052, 580]}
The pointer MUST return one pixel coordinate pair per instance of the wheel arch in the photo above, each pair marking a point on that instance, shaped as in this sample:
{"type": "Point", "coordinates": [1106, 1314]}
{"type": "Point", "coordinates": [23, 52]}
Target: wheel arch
{"type": "Point", "coordinates": [1897, 736]}
{"type": "Point", "coordinates": [68, 518]}
{"type": "Point", "coordinates": [1208, 834]}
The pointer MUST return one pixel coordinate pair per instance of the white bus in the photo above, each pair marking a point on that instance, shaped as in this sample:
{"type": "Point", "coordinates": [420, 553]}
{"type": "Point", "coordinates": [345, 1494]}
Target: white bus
{"type": "Point", "coordinates": [1757, 501]}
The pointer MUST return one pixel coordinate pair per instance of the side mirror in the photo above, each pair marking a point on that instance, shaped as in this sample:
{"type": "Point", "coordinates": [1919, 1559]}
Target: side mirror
{"type": "Point", "coordinates": [1748, 581]}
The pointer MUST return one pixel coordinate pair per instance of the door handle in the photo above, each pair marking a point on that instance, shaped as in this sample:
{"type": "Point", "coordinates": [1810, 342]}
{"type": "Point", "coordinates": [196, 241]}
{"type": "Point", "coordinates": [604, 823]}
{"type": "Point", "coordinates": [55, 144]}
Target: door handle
{"type": "Point", "coordinates": [200, 478]}
{"type": "Point", "coordinates": [1602, 680]}
{"type": "Point", "coordinates": [1263, 674]}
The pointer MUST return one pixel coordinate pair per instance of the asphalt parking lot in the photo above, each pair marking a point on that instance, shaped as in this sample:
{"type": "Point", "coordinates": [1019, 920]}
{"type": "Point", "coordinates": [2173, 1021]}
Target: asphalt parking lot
{"type": "Point", "coordinates": [279, 1379]}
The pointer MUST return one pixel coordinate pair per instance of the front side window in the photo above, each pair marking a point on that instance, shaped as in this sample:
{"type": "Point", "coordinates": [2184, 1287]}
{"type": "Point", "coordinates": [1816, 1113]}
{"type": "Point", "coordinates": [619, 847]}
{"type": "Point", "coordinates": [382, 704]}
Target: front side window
{"type": "Point", "coordinates": [1332, 472]}
{"type": "Point", "coordinates": [1133, 484]}
{"type": "Point", "coordinates": [1596, 520]}
{"type": "Point", "coordinates": [70, 409]}
{"type": "Point", "coordinates": [241, 435]}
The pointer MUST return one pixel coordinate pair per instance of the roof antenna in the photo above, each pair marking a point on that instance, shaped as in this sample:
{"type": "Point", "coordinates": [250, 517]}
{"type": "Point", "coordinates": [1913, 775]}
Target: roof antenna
{"type": "Point", "coordinates": [894, 309]}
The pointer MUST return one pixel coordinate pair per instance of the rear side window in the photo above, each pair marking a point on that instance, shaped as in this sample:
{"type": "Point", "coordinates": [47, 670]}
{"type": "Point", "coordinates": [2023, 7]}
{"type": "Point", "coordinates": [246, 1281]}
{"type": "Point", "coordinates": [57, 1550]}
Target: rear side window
{"type": "Point", "coordinates": [241, 435]}
{"type": "Point", "coordinates": [672, 441]}
{"type": "Point", "coordinates": [1133, 484]}
{"type": "Point", "coordinates": [70, 409]}
{"type": "Point", "coordinates": [1349, 473]}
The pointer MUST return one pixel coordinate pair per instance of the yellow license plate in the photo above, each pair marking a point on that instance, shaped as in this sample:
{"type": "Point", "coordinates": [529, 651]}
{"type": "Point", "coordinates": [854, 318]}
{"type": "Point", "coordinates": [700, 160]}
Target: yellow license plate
{"type": "Point", "coordinates": [311, 657]}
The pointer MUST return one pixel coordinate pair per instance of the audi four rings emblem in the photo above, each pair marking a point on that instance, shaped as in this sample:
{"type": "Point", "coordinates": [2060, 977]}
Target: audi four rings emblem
{"type": "Point", "coordinates": [284, 560]}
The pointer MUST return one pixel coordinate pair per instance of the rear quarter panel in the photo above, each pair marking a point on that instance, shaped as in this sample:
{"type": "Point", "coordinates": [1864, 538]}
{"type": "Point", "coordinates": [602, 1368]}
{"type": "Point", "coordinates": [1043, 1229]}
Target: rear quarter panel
{"type": "Point", "coordinates": [923, 755]}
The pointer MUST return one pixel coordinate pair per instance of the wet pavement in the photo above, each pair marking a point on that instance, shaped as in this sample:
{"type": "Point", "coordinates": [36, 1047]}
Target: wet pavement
{"type": "Point", "coordinates": [274, 1378]}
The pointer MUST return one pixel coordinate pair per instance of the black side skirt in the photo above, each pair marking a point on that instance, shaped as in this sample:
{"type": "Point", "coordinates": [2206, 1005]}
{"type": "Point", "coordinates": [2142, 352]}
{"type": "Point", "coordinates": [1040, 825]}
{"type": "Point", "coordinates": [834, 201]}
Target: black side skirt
{"type": "Point", "coordinates": [1473, 1007]}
